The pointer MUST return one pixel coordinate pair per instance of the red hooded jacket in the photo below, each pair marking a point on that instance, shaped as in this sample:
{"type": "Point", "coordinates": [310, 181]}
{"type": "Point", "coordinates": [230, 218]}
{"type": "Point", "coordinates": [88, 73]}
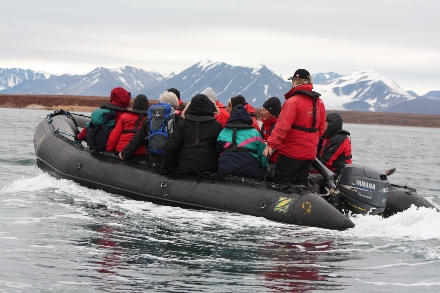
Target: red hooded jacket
{"type": "Point", "coordinates": [118, 97]}
{"type": "Point", "coordinates": [298, 110]}
{"type": "Point", "coordinates": [267, 127]}
{"type": "Point", "coordinates": [118, 140]}
{"type": "Point", "coordinates": [251, 112]}
{"type": "Point", "coordinates": [223, 115]}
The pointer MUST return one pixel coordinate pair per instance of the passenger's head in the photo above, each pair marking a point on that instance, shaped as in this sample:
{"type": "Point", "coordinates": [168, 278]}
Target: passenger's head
{"type": "Point", "coordinates": [229, 106]}
{"type": "Point", "coordinates": [301, 76]}
{"type": "Point", "coordinates": [271, 108]}
{"type": "Point", "coordinates": [238, 100]}
{"type": "Point", "coordinates": [333, 124]}
{"type": "Point", "coordinates": [209, 92]}
{"type": "Point", "coordinates": [240, 113]}
{"type": "Point", "coordinates": [175, 91]}
{"type": "Point", "coordinates": [120, 97]}
{"type": "Point", "coordinates": [141, 103]}
{"type": "Point", "coordinates": [201, 105]}
{"type": "Point", "coordinates": [169, 97]}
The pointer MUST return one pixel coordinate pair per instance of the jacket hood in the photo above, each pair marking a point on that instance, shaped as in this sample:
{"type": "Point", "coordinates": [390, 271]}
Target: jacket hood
{"type": "Point", "coordinates": [240, 113]}
{"type": "Point", "coordinates": [120, 97]}
{"type": "Point", "coordinates": [334, 121]}
{"type": "Point", "coordinates": [209, 92]}
{"type": "Point", "coordinates": [201, 105]}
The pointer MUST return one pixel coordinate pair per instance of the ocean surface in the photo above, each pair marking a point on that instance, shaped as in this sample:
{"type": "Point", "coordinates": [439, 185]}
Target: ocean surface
{"type": "Point", "coordinates": [58, 236]}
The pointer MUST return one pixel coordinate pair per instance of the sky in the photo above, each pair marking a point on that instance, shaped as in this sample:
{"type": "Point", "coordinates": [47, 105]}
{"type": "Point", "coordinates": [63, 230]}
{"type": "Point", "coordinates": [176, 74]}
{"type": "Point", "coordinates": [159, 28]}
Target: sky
{"type": "Point", "coordinates": [400, 39]}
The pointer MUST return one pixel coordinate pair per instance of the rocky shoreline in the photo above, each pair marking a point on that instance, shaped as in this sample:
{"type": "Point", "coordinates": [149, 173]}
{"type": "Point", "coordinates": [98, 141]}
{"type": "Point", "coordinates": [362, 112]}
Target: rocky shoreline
{"type": "Point", "coordinates": [89, 103]}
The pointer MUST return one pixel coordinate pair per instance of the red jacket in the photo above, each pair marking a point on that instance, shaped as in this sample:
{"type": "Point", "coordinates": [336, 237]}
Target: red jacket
{"type": "Point", "coordinates": [83, 134]}
{"type": "Point", "coordinates": [267, 127]}
{"type": "Point", "coordinates": [298, 110]}
{"type": "Point", "coordinates": [118, 140]}
{"type": "Point", "coordinates": [251, 112]}
{"type": "Point", "coordinates": [223, 115]}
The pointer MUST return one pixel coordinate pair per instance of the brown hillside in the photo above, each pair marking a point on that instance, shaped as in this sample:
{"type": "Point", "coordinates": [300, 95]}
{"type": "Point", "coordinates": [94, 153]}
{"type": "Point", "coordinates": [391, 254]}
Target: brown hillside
{"type": "Point", "coordinates": [89, 103]}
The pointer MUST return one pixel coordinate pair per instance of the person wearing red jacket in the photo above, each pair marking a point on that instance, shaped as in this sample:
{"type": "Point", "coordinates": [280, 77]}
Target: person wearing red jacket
{"type": "Point", "coordinates": [270, 112]}
{"type": "Point", "coordinates": [222, 116]}
{"type": "Point", "coordinates": [242, 101]}
{"type": "Point", "coordinates": [335, 152]}
{"type": "Point", "coordinates": [126, 127]}
{"type": "Point", "coordinates": [297, 131]}
{"type": "Point", "coordinates": [119, 101]}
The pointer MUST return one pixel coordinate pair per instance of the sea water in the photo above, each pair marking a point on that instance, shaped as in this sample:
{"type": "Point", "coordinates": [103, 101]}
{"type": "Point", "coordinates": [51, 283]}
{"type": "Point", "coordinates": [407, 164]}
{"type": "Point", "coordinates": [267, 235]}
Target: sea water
{"type": "Point", "coordinates": [58, 236]}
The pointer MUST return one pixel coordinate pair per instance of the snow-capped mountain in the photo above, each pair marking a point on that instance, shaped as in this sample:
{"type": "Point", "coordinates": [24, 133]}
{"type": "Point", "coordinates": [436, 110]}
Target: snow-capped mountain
{"type": "Point", "coordinates": [433, 95]}
{"type": "Point", "coordinates": [361, 90]}
{"type": "Point", "coordinates": [323, 78]}
{"type": "Point", "coordinates": [10, 77]}
{"type": "Point", "coordinates": [256, 84]}
{"type": "Point", "coordinates": [98, 82]}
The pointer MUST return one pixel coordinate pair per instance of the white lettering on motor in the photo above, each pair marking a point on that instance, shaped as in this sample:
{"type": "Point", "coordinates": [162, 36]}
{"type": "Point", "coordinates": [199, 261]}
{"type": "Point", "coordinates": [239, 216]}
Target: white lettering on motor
{"type": "Point", "coordinates": [366, 184]}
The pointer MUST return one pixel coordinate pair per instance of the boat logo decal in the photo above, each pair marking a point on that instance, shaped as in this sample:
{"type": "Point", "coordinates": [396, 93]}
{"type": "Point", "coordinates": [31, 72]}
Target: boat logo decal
{"type": "Point", "coordinates": [307, 207]}
{"type": "Point", "coordinates": [41, 139]}
{"type": "Point", "coordinates": [283, 204]}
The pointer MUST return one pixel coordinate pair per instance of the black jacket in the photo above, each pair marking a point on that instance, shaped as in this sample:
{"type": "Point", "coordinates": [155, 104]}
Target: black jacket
{"type": "Point", "coordinates": [182, 151]}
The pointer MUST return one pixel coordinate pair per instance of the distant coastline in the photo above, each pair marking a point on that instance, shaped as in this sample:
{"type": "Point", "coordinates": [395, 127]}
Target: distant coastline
{"type": "Point", "coordinates": [89, 103]}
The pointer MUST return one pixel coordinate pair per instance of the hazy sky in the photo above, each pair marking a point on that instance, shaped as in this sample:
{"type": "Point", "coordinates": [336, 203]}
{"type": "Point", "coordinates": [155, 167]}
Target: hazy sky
{"type": "Point", "coordinates": [400, 39]}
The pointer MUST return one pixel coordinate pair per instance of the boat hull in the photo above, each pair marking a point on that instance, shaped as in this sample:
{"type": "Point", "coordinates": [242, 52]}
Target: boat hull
{"type": "Point", "coordinates": [60, 157]}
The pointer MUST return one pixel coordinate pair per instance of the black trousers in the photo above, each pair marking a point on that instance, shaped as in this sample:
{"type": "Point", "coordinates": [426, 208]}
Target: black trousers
{"type": "Point", "coordinates": [291, 171]}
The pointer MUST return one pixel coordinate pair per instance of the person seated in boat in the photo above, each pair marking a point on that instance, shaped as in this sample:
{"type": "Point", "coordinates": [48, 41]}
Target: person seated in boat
{"type": "Point", "coordinates": [156, 129]}
{"type": "Point", "coordinates": [222, 116]}
{"type": "Point", "coordinates": [335, 150]}
{"type": "Point", "coordinates": [240, 146]}
{"type": "Point", "coordinates": [108, 114]}
{"type": "Point", "coordinates": [269, 112]}
{"type": "Point", "coordinates": [179, 101]}
{"type": "Point", "coordinates": [229, 107]}
{"type": "Point", "coordinates": [128, 124]}
{"type": "Point", "coordinates": [192, 145]}
{"type": "Point", "coordinates": [240, 100]}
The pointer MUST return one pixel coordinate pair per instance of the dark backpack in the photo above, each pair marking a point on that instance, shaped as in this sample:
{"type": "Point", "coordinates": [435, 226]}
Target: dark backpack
{"type": "Point", "coordinates": [161, 122]}
{"type": "Point", "coordinates": [99, 128]}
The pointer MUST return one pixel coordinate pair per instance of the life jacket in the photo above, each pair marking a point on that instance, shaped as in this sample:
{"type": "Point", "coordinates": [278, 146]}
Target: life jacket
{"type": "Point", "coordinates": [314, 95]}
{"type": "Point", "coordinates": [233, 146]}
{"type": "Point", "coordinates": [99, 128]}
{"type": "Point", "coordinates": [161, 125]}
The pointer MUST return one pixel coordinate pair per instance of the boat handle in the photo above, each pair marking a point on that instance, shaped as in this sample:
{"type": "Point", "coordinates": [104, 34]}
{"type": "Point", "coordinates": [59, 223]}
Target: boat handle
{"type": "Point", "coordinates": [164, 184]}
{"type": "Point", "coordinates": [263, 205]}
{"type": "Point", "coordinates": [78, 165]}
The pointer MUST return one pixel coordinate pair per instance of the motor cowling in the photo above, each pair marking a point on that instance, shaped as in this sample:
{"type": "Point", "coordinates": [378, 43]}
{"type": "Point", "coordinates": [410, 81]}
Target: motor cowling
{"type": "Point", "coordinates": [364, 190]}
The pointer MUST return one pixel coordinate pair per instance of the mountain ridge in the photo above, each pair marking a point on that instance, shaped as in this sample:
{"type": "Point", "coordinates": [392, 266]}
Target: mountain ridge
{"type": "Point", "coordinates": [361, 90]}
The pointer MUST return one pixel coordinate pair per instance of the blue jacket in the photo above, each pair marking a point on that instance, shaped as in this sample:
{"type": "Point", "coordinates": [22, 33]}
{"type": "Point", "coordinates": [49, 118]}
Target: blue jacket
{"type": "Point", "coordinates": [246, 157]}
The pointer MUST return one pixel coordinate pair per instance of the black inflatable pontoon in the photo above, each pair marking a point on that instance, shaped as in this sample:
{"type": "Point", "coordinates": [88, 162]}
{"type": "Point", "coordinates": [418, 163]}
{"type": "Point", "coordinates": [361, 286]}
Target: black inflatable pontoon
{"type": "Point", "coordinates": [58, 155]}
{"type": "Point", "coordinates": [358, 190]}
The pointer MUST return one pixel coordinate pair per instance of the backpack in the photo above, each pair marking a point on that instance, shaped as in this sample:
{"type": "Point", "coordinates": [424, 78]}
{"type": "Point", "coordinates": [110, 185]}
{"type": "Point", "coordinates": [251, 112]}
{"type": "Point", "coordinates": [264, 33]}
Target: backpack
{"type": "Point", "coordinates": [99, 128]}
{"type": "Point", "coordinates": [161, 121]}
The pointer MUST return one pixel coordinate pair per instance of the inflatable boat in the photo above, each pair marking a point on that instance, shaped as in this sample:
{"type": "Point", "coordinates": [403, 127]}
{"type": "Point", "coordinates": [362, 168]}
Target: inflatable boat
{"type": "Point", "coordinates": [60, 156]}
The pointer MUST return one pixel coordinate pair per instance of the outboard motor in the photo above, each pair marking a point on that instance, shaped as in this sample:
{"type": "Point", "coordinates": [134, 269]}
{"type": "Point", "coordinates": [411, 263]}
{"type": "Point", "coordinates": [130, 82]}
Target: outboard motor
{"type": "Point", "coordinates": [363, 189]}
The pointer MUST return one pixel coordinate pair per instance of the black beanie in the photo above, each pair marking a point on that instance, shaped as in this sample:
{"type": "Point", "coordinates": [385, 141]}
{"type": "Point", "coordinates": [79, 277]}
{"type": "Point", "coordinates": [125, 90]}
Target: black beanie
{"type": "Point", "coordinates": [201, 105]}
{"type": "Point", "coordinates": [141, 103]}
{"type": "Point", "coordinates": [174, 91]}
{"type": "Point", "coordinates": [273, 105]}
{"type": "Point", "coordinates": [238, 100]}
